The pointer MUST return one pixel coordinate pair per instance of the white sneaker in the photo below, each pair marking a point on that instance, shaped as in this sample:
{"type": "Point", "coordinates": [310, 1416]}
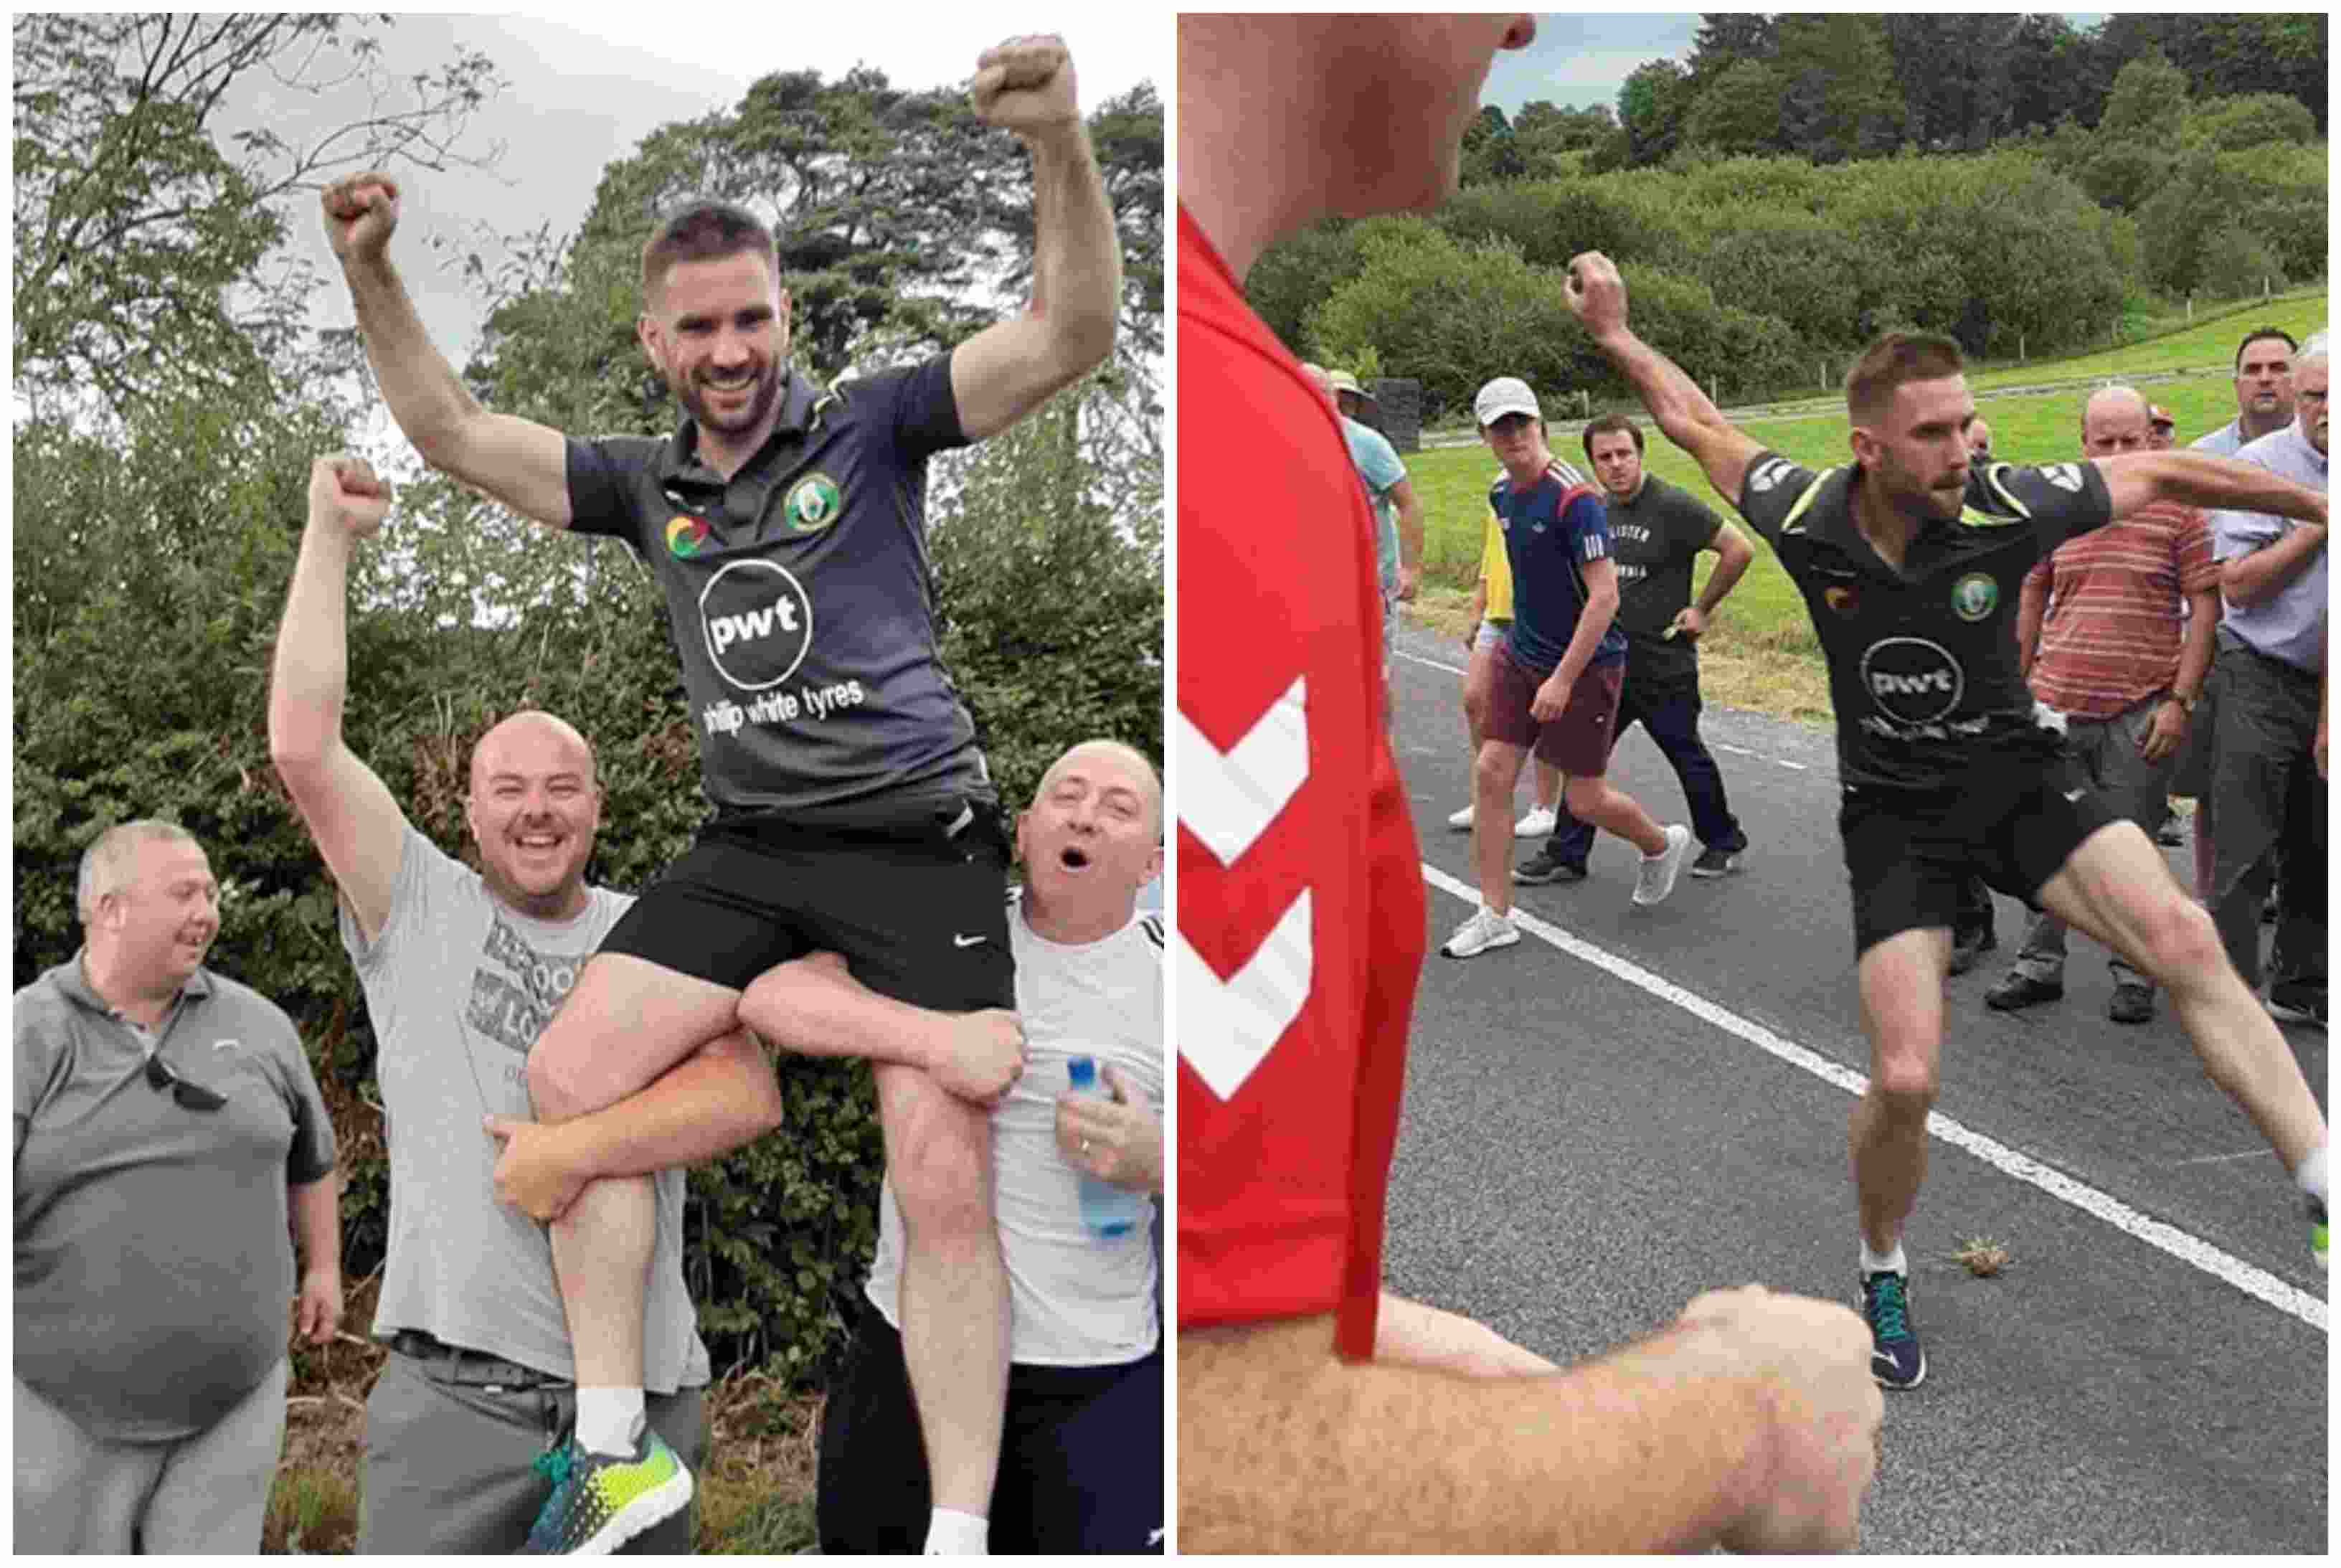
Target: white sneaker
{"type": "Point", "coordinates": [1537, 824]}
{"type": "Point", "coordinates": [1484, 930]}
{"type": "Point", "coordinates": [1460, 821]}
{"type": "Point", "coordinates": [1656, 876]}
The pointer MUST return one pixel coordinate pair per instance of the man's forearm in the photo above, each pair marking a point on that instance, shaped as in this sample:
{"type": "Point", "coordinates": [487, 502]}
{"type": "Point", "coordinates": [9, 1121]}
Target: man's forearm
{"type": "Point", "coordinates": [702, 1108]}
{"type": "Point", "coordinates": [1282, 1447]}
{"type": "Point", "coordinates": [1409, 531]}
{"type": "Point", "coordinates": [1592, 626]}
{"type": "Point", "coordinates": [425, 396]}
{"type": "Point", "coordinates": [2195, 652]}
{"type": "Point", "coordinates": [2261, 575]}
{"type": "Point", "coordinates": [310, 682]}
{"type": "Point", "coordinates": [317, 1223]}
{"type": "Point", "coordinates": [1415, 1333]}
{"type": "Point", "coordinates": [2226, 483]}
{"type": "Point", "coordinates": [1676, 403]}
{"type": "Point", "coordinates": [1076, 252]}
{"type": "Point", "coordinates": [1730, 566]}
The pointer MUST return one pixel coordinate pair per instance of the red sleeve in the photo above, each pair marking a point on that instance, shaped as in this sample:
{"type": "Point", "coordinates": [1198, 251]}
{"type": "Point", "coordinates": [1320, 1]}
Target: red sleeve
{"type": "Point", "coordinates": [1301, 901]}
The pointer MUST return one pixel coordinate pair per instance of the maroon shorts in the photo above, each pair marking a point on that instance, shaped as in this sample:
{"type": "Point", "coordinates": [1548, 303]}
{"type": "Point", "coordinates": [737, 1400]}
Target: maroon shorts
{"type": "Point", "coordinates": [1577, 742]}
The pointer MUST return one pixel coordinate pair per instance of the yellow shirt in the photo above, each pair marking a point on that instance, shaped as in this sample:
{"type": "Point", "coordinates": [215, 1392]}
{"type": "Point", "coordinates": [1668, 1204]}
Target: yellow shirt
{"type": "Point", "coordinates": [1496, 571]}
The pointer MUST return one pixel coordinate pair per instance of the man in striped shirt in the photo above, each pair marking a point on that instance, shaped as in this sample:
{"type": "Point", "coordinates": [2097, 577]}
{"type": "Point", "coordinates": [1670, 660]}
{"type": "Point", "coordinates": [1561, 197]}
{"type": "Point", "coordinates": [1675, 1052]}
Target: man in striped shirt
{"type": "Point", "coordinates": [2098, 633]}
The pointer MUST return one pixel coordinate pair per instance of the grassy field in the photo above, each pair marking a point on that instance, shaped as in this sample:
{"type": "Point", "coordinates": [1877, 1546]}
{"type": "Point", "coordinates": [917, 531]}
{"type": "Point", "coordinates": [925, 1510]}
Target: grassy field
{"type": "Point", "coordinates": [1760, 652]}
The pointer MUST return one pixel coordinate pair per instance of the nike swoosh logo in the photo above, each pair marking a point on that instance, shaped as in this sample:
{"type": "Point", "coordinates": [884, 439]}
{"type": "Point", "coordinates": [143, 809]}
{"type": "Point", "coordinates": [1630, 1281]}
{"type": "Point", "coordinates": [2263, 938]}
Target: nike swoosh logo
{"type": "Point", "coordinates": [965, 941]}
{"type": "Point", "coordinates": [2073, 795]}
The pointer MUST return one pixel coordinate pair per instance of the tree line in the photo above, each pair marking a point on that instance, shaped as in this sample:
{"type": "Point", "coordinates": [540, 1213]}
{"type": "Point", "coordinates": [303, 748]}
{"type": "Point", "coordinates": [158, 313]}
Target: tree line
{"type": "Point", "coordinates": [171, 391]}
{"type": "Point", "coordinates": [1803, 183]}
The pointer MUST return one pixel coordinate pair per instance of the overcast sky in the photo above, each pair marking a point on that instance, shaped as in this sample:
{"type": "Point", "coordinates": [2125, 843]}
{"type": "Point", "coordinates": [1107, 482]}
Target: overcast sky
{"type": "Point", "coordinates": [585, 90]}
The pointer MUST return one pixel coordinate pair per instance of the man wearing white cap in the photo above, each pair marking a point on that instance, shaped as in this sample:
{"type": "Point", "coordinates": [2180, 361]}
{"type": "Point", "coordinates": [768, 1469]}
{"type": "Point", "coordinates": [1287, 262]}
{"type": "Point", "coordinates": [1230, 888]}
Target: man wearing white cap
{"type": "Point", "coordinates": [1560, 670]}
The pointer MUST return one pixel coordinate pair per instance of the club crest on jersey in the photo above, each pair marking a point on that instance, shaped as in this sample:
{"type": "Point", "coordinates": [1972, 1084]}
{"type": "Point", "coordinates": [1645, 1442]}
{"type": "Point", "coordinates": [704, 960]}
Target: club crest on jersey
{"type": "Point", "coordinates": [685, 536]}
{"type": "Point", "coordinates": [2064, 476]}
{"type": "Point", "coordinates": [757, 621]}
{"type": "Point", "coordinates": [1841, 597]}
{"type": "Point", "coordinates": [813, 503]}
{"type": "Point", "coordinates": [1973, 595]}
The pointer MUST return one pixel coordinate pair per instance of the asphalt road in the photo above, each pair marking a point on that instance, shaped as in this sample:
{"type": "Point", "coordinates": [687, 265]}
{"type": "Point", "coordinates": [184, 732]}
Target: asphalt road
{"type": "Point", "coordinates": [1584, 1150]}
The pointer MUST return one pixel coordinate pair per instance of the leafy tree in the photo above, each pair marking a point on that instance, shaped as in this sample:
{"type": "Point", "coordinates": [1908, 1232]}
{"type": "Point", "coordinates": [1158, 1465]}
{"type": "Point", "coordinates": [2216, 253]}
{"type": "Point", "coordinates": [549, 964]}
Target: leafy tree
{"type": "Point", "coordinates": [1650, 106]}
{"type": "Point", "coordinates": [2148, 102]}
{"type": "Point", "coordinates": [1739, 112]}
{"type": "Point", "coordinates": [1726, 38]}
{"type": "Point", "coordinates": [2248, 120]}
{"type": "Point", "coordinates": [143, 247]}
{"type": "Point", "coordinates": [1490, 153]}
{"type": "Point", "coordinates": [1839, 100]}
{"type": "Point", "coordinates": [1953, 72]}
{"type": "Point", "coordinates": [2054, 72]}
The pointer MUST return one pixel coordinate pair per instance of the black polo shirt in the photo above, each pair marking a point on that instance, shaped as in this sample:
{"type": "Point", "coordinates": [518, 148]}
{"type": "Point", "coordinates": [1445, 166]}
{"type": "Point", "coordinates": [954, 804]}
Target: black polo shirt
{"type": "Point", "coordinates": [799, 597]}
{"type": "Point", "coordinates": [1922, 660]}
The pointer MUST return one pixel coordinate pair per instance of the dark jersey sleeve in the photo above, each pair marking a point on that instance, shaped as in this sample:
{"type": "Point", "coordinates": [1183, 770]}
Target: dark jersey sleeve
{"type": "Point", "coordinates": [2062, 499]}
{"type": "Point", "coordinates": [601, 474]}
{"type": "Point", "coordinates": [1770, 492]}
{"type": "Point", "coordinates": [925, 412]}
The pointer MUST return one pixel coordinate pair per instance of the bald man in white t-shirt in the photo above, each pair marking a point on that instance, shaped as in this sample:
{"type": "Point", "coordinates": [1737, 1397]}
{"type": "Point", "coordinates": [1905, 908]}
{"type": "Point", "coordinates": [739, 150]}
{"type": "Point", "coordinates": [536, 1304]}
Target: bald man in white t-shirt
{"type": "Point", "coordinates": [1080, 1467]}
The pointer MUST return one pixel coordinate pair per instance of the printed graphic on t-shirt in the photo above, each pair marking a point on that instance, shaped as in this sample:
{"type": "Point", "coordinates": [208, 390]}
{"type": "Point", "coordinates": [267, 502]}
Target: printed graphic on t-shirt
{"type": "Point", "coordinates": [516, 990]}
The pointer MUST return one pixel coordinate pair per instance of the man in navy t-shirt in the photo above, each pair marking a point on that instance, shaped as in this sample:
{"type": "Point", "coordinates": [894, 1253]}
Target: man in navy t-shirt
{"type": "Point", "coordinates": [1560, 672]}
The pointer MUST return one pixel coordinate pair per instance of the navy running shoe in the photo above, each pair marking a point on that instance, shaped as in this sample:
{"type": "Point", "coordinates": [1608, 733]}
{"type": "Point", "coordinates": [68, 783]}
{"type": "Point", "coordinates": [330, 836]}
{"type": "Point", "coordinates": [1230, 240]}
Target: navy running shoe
{"type": "Point", "coordinates": [1894, 1358]}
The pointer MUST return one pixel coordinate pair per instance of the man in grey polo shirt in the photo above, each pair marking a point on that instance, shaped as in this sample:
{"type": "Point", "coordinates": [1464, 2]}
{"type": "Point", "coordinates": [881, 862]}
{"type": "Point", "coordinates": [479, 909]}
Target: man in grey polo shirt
{"type": "Point", "coordinates": [170, 1141]}
{"type": "Point", "coordinates": [2269, 796]}
{"type": "Point", "coordinates": [462, 971]}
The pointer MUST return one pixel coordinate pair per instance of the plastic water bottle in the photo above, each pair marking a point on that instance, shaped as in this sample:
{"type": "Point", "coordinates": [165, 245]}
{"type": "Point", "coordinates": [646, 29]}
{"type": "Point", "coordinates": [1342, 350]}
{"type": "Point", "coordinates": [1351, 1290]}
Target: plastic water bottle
{"type": "Point", "coordinates": [1109, 1211]}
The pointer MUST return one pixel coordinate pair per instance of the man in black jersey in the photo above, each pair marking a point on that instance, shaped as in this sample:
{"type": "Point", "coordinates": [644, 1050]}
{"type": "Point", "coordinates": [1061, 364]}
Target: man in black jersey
{"type": "Point", "coordinates": [785, 523]}
{"type": "Point", "coordinates": [1909, 559]}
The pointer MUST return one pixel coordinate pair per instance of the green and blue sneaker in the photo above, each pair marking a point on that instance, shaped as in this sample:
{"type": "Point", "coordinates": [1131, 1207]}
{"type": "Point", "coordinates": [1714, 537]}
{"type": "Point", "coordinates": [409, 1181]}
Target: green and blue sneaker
{"type": "Point", "coordinates": [1895, 1359]}
{"type": "Point", "coordinates": [2319, 1239]}
{"type": "Point", "coordinates": [599, 1501]}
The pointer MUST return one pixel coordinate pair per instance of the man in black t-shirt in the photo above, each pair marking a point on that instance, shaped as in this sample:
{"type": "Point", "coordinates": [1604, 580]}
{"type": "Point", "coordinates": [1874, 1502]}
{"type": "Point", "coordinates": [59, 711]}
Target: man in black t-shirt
{"type": "Point", "coordinates": [1909, 559]}
{"type": "Point", "coordinates": [1655, 531]}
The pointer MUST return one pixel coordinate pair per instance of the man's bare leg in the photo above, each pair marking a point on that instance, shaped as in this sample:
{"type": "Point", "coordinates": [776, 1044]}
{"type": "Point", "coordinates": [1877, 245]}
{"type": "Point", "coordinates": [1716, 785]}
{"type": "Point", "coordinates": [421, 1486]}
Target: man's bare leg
{"type": "Point", "coordinates": [954, 1286]}
{"type": "Point", "coordinates": [2117, 887]}
{"type": "Point", "coordinates": [1615, 812]}
{"type": "Point", "coordinates": [1901, 980]}
{"type": "Point", "coordinates": [626, 1022]}
{"type": "Point", "coordinates": [1493, 773]}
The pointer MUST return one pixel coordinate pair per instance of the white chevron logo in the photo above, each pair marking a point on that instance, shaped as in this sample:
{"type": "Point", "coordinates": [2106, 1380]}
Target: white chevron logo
{"type": "Point", "coordinates": [1227, 799]}
{"type": "Point", "coordinates": [1227, 1027]}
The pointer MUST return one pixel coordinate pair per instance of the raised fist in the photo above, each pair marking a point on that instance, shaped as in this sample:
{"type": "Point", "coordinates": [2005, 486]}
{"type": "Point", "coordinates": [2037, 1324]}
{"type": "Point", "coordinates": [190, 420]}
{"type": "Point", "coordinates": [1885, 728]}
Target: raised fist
{"type": "Point", "coordinates": [344, 492]}
{"type": "Point", "coordinates": [1026, 85]}
{"type": "Point", "coordinates": [361, 211]}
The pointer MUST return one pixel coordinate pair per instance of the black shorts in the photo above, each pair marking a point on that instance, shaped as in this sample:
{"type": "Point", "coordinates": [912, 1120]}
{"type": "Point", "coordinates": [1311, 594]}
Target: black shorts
{"type": "Point", "coordinates": [1908, 851]}
{"type": "Point", "coordinates": [919, 913]}
{"type": "Point", "coordinates": [1081, 1456]}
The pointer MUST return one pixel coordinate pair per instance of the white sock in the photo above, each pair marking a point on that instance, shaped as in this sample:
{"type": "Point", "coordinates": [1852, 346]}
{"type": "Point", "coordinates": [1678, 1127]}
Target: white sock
{"type": "Point", "coordinates": [2311, 1174]}
{"type": "Point", "coordinates": [951, 1534]}
{"type": "Point", "coordinates": [609, 1420]}
{"type": "Point", "coordinates": [1892, 1262]}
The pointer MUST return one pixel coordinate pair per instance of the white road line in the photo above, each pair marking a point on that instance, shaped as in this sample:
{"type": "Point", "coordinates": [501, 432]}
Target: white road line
{"type": "Point", "coordinates": [2187, 1249]}
{"type": "Point", "coordinates": [2217, 1159]}
{"type": "Point", "coordinates": [1434, 663]}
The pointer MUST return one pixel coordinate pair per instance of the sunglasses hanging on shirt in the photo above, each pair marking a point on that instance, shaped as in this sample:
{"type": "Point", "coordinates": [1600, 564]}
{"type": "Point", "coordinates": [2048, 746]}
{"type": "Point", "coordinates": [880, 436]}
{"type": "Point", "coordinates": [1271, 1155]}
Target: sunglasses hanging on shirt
{"type": "Point", "coordinates": [192, 1096]}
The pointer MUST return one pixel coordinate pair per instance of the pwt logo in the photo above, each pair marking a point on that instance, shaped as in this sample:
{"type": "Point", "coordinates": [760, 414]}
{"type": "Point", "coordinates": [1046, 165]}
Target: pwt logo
{"type": "Point", "coordinates": [1227, 800]}
{"type": "Point", "coordinates": [758, 623]}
